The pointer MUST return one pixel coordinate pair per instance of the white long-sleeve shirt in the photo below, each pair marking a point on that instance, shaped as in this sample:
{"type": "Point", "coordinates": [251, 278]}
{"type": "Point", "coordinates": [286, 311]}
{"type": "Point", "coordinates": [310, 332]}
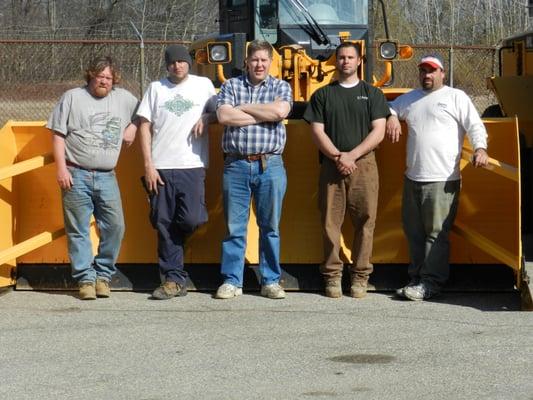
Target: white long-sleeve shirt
{"type": "Point", "coordinates": [437, 122]}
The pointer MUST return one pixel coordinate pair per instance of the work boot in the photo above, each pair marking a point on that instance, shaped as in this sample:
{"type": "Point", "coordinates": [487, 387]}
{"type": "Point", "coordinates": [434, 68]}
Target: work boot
{"type": "Point", "coordinates": [333, 288]}
{"type": "Point", "coordinates": [358, 289]}
{"type": "Point", "coordinates": [102, 288]}
{"type": "Point", "coordinates": [87, 291]}
{"type": "Point", "coordinates": [168, 290]}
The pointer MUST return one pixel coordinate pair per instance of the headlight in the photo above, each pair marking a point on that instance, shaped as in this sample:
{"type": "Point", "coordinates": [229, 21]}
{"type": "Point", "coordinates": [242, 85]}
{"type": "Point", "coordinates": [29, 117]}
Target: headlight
{"type": "Point", "coordinates": [388, 50]}
{"type": "Point", "coordinates": [219, 53]}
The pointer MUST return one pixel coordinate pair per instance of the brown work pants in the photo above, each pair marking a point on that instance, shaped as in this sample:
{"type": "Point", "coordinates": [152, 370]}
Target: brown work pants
{"type": "Point", "coordinates": [357, 194]}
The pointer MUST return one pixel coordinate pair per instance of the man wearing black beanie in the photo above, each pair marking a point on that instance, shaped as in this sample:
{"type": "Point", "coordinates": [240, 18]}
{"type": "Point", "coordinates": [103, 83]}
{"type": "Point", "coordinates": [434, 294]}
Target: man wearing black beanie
{"type": "Point", "coordinates": [175, 112]}
{"type": "Point", "coordinates": [176, 52]}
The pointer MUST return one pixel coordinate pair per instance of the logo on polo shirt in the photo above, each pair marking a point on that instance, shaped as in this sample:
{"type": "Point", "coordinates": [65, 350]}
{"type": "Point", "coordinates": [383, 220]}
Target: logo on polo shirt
{"type": "Point", "coordinates": [362, 97]}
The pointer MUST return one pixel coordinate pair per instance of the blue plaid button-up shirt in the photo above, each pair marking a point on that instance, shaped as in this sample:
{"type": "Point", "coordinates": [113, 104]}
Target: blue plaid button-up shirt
{"type": "Point", "coordinates": [265, 137]}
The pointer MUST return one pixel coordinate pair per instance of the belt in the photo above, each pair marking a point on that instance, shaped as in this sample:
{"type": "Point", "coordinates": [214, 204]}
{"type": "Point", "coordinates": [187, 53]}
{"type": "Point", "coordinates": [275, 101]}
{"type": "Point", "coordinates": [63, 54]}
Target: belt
{"type": "Point", "coordinates": [263, 157]}
{"type": "Point", "coordinates": [250, 157]}
{"type": "Point", "coordinates": [71, 164]}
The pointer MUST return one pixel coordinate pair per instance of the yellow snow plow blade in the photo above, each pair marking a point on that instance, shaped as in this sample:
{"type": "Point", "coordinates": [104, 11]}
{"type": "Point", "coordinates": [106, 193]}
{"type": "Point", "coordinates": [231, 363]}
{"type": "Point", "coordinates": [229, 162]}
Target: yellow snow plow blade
{"type": "Point", "coordinates": [487, 229]}
{"type": "Point", "coordinates": [489, 213]}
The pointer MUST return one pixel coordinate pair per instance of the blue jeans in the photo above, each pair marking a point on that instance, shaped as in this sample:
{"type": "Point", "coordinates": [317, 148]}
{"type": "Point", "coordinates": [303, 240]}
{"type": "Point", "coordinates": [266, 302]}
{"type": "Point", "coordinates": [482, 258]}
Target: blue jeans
{"type": "Point", "coordinates": [243, 181]}
{"type": "Point", "coordinates": [93, 193]}
{"type": "Point", "coordinates": [428, 212]}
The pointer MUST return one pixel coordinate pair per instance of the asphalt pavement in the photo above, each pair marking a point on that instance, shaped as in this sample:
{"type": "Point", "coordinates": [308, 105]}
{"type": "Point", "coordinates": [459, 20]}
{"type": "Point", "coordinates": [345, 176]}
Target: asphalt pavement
{"type": "Point", "coordinates": [460, 346]}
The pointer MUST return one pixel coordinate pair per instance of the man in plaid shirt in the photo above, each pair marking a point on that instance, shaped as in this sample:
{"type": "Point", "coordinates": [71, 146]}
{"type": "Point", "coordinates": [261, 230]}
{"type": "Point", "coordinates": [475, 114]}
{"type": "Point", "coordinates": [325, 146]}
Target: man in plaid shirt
{"type": "Point", "coordinates": [252, 107]}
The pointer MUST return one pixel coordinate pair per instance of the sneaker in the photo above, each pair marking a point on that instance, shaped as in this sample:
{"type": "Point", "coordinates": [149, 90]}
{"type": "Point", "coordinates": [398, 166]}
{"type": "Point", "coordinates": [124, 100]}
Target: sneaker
{"type": "Point", "coordinates": [358, 289]}
{"type": "Point", "coordinates": [422, 291]}
{"type": "Point", "coordinates": [87, 291]}
{"type": "Point", "coordinates": [273, 291]}
{"type": "Point", "coordinates": [168, 290]}
{"type": "Point", "coordinates": [102, 288]}
{"type": "Point", "coordinates": [333, 288]}
{"type": "Point", "coordinates": [228, 291]}
{"type": "Point", "coordinates": [401, 291]}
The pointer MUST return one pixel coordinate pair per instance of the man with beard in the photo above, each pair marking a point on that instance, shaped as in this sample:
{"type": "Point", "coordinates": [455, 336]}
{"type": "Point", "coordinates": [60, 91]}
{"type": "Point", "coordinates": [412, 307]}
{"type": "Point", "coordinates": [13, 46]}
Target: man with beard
{"type": "Point", "coordinates": [437, 117]}
{"type": "Point", "coordinates": [347, 120]}
{"type": "Point", "coordinates": [175, 112]}
{"type": "Point", "coordinates": [89, 125]}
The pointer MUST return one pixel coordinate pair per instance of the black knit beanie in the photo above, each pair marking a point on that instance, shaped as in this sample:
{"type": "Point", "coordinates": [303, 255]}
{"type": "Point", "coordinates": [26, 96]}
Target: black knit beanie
{"type": "Point", "coordinates": [176, 52]}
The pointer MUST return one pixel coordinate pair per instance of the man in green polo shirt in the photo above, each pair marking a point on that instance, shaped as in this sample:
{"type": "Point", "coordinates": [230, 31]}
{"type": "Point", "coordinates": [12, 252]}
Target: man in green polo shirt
{"type": "Point", "coordinates": [347, 120]}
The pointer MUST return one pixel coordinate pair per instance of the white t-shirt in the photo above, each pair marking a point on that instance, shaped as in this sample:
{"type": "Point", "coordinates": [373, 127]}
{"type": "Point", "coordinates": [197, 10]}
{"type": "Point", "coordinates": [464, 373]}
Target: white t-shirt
{"type": "Point", "coordinates": [173, 110]}
{"type": "Point", "coordinates": [437, 123]}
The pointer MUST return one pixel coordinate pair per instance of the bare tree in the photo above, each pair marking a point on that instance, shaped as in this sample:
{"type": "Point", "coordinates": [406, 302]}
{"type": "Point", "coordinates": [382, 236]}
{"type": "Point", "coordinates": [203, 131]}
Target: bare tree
{"type": "Point", "coordinates": [106, 19]}
{"type": "Point", "coordinates": [483, 22]}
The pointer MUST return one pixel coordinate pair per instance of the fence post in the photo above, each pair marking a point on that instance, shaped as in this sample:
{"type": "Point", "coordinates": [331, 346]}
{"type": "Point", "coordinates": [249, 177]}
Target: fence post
{"type": "Point", "coordinates": [451, 65]}
{"type": "Point", "coordinates": [141, 58]}
{"type": "Point", "coordinates": [495, 61]}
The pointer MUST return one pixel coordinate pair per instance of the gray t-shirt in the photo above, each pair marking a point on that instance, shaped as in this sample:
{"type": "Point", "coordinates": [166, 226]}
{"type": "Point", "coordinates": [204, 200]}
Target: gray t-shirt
{"type": "Point", "coordinates": [93, 127]}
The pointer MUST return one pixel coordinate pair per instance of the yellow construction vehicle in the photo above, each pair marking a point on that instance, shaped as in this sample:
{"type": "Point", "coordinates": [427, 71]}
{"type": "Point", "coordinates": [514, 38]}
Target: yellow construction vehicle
{"type": "Point", "coordinates": [304, 34]}
{"type": "Point", "coordinates": [513, 87]}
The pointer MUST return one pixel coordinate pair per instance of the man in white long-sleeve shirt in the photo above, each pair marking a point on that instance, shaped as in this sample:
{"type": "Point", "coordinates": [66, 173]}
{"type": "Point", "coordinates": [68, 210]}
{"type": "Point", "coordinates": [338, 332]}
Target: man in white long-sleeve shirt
{"type": "Point", "coordinates": [437, 117]}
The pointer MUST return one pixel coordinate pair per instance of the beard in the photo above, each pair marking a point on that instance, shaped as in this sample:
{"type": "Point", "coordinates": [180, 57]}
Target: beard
{"type": "Point", "coordinates": [427, 85]}
{"type": "Point", "coordinates": [101, 91]}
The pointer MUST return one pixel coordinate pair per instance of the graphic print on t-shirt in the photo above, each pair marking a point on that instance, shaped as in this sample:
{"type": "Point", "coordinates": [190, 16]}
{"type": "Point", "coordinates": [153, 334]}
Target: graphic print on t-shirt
{"type": "Point", "coordinates": [178, 105]}
{"type": "Point", "coordinates": [105, 131]}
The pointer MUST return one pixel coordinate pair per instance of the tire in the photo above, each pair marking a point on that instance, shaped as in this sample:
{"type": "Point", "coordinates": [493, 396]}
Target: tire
{"type": "Point", "coordinates": [493, 111]}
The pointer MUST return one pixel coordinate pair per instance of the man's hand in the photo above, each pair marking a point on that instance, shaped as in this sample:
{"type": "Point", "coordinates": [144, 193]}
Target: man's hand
{"type": "Point", "coordinates": [200, 126]}
{"type": "Point", "coordinates": [345, 164]}
{"type": "Point", "coordinates": [244, 107]}
{"type": "Point", "coordinates": [64, 178]}
{"type": "Point", "coordinates": [152, 179]}
{"type": "Point", "coordinates": [393, 129]}
{"type": "Point", "coordinates": [234, 116]}
{"type": "Point", "coordinates": [480, 158]}
{"type": "Point", "coordinates": [129, 135]}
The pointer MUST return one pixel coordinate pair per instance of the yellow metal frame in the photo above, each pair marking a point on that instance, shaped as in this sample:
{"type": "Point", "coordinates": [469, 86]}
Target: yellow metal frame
{"type": "Point", "coordinates": [25, 157]}
{"type": "Point", "coordinates": [489, 216]}
{"type": "Point", "coordinates": [487, 228]}
{"type": "Point", "coordinates": [306, 74]}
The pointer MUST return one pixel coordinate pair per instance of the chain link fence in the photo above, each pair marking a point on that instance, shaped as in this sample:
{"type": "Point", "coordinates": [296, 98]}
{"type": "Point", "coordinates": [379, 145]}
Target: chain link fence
{"type": "Point", "coordinates": [36, 73]}
{"type": "Point", "coordinates": [466, 67]}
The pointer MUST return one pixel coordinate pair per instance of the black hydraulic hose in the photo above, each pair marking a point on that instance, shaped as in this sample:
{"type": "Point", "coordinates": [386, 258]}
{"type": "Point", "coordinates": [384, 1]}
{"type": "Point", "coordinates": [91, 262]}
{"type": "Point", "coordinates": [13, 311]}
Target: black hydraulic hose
{"type": "Point", "coordinates": [385, 23]}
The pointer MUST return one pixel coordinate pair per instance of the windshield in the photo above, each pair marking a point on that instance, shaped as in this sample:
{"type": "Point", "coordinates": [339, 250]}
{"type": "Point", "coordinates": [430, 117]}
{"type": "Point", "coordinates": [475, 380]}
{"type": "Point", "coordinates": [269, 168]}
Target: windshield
{"type": "Point", "coordinates": [327, 12]}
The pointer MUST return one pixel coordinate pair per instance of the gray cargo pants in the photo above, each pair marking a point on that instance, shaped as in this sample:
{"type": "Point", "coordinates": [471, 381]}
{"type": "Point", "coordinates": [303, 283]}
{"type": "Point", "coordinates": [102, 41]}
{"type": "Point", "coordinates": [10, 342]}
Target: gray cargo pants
{"type": "Point", "coordinates": [428, 213]}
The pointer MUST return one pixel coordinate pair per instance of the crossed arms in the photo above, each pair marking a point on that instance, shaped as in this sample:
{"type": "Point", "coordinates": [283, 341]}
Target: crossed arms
{"type": "Point", "coordinates": [251, 114]}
